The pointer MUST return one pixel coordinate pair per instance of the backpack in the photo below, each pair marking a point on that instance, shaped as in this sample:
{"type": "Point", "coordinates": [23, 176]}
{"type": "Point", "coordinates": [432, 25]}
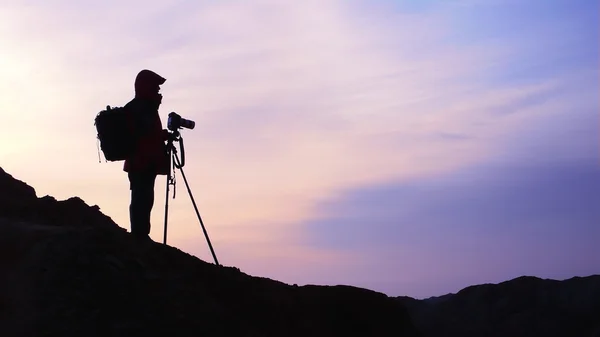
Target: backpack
{"type": "Point", "coordinates": [114, 133]}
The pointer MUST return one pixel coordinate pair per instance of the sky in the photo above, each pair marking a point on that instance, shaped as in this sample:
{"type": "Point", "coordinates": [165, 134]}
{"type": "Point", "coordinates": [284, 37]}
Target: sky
{"type": "Point", "coordinates": [409, 147]}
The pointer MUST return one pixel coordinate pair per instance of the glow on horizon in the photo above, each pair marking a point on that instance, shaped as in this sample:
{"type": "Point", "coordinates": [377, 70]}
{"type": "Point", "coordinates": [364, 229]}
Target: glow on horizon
{"type": "Point", "coordinates": [295, 104]}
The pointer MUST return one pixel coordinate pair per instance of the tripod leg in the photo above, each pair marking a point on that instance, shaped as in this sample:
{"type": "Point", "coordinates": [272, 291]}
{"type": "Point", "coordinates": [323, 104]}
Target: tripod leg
{"type": "Point", "coordinates": [166, 212]}
{"type": "Point", "coordinates": [167, 202]}
{"type": "Point", "coordinates": [177, 164]}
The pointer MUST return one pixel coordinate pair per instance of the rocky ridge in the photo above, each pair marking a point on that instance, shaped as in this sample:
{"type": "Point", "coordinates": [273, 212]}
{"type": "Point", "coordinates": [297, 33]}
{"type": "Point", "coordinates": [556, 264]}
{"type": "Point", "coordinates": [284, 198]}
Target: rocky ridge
{"type": "Point", "coordinates": [66, 269]}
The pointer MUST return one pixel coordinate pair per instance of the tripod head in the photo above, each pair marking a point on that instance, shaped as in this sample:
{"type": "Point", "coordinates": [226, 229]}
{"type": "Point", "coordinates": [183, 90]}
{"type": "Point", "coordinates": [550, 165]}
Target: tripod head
{"type": "Point", "coordinates": [175, 136]}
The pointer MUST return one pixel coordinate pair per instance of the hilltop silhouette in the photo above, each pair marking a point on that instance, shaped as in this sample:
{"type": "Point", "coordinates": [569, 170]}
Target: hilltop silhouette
{"type": "Point", "coordinates": [66, 269]}
{"type": "Point", "coordinates": [524, 306]}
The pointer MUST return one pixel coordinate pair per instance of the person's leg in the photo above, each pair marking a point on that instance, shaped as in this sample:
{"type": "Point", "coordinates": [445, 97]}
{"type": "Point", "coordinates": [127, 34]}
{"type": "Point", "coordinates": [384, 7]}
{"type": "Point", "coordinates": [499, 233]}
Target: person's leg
{"type": "Point", "coordinates": [147, 202]}
{"type": "Point", "coordinates": [142, 201]}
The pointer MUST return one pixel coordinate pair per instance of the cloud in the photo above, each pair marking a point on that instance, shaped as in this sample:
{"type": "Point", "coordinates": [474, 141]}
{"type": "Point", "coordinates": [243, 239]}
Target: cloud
{"type": "Point", "coordinates": [529, 210]}
{"type": "Point", "coordinates": [522, 219]}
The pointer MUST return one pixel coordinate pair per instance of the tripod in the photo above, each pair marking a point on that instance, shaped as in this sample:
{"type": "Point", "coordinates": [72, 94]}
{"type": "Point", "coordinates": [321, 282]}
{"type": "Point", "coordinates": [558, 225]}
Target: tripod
{"type": "Point", "coordinates": [172, 153]}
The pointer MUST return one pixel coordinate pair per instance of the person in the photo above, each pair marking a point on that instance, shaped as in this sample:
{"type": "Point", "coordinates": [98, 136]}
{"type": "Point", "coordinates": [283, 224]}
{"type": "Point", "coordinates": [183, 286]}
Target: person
{"type": "Point", "coordinates": [149, 158]}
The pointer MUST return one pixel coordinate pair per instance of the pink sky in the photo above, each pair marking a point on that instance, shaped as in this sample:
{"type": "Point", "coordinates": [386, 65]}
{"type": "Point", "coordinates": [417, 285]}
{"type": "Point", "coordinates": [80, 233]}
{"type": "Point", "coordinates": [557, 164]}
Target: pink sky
{"type": "Point", "coordinates": [296, 104]}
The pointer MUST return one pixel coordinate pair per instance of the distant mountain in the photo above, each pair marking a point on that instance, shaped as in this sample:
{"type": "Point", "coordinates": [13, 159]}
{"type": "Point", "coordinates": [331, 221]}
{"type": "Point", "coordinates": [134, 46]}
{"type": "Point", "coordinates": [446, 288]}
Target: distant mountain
{"type": "Point", "coordinates": [66, 269]}
{"type": "Point", "coordinates": [525, 306]}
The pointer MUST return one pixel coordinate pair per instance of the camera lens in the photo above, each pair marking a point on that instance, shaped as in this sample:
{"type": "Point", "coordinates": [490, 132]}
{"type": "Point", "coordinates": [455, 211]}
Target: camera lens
{"type": "Point", "coordinates": [188, 124]}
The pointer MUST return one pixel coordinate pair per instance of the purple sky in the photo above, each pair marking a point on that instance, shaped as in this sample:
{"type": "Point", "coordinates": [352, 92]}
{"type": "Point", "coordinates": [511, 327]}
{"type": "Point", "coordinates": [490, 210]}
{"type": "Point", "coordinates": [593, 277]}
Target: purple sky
{"type": "Point", "coordinates": [409, 147]}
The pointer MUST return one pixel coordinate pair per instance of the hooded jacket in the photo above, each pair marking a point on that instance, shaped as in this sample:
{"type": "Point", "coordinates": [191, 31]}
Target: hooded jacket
{"type": "Point", "coordinates": [150, 153]}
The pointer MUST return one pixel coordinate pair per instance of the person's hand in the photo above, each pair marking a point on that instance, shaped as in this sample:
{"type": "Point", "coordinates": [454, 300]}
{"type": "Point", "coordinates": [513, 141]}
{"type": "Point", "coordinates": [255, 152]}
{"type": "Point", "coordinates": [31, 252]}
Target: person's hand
{"type": "Point", "coordinates": [165, 134]}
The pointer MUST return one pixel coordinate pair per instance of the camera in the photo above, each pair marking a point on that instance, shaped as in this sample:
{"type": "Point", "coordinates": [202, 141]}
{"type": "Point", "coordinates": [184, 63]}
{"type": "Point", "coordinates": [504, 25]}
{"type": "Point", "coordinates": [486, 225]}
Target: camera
{"type": "Point", "coordinates": [176, 122]}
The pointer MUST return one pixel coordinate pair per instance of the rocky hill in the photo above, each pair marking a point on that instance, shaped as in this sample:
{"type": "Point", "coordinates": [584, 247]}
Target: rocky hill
{"type": "Point", "coordinates": [525, 306]}
{"type": "Point", "coordinates": [68, 270]}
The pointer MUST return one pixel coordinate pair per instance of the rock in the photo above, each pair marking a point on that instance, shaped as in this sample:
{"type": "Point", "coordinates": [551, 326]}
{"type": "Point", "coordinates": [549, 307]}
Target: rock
{"type": "Point", "coordinates": [18, 201]}
{"type": "Point", "coordinates": [14, 189]}
{"type": "Point", "coordinates": [70, 271]}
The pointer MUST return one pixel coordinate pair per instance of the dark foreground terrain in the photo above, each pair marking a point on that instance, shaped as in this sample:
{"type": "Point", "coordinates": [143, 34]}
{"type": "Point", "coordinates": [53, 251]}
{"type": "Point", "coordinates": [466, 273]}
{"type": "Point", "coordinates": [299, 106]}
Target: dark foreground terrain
{"type": "Point", "coordinates": [525, 306]}
{"type": "Point", "coordinates": [68, 270]}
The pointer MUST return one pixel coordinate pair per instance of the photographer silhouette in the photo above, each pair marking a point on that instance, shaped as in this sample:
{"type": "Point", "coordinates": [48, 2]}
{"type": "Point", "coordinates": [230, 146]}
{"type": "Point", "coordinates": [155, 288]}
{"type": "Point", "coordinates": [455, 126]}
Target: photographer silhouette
{"type": "Point", "coordinates": [149, 157]}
